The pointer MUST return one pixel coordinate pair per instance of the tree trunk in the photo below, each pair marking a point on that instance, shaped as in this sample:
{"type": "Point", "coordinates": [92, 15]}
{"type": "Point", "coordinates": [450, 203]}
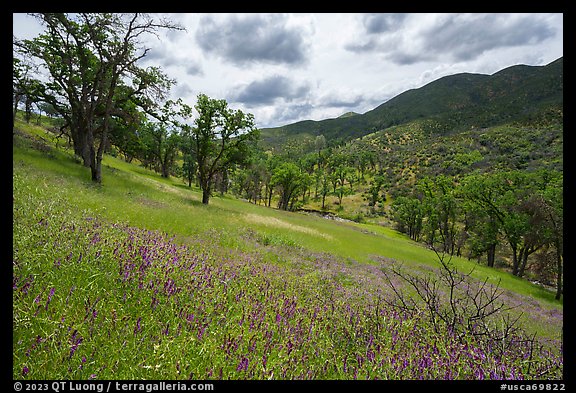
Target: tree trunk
{"type": "Point", "coordinates": [82, 141]}
{"type": "Point", "coordinates": [205, 186]}
{"type": "Point", "coordinates": [205, 195]}
{"type": "Point", "coordinates": [28, 109]}
{"type": "Point", "coordinates": [515, 261]}
{"type": "Point", "coordinates": [224, 182]}
{"type": "Point", "coordinates": [491, 255]}
{"type": "Point", "coordinates": [270, 193]}
{"type": "Point", "coordinates": [16, 102]}
{"type": "Point", "coordinates": [165, 173]}
{"type": "Point", "coordinates": [283, 204]}
{"type": "Point", "coordinates": [523, 260]}
{"type": "Point", "coordinates": [285, 198]}
{"type": "Point", "coordinates": [558, 271]}
{"type": "Point", "coordinates": [527, 252]}
{"type": "Point", "coordinates": [97, 172]}
{"type": "Point", "coordinates": [95, 166]}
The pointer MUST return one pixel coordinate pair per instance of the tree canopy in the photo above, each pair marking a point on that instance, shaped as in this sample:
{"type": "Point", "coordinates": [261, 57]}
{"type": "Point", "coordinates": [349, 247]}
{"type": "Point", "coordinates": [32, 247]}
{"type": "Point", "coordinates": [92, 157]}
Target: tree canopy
{"type": "Point", "coordinates": [219, 137]}
{"type": "Point", "coordinates": [91, 66]}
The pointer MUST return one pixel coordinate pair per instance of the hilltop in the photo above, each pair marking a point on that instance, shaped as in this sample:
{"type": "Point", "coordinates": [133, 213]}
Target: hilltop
{"type": "Point", "coordinates": [348, 114]}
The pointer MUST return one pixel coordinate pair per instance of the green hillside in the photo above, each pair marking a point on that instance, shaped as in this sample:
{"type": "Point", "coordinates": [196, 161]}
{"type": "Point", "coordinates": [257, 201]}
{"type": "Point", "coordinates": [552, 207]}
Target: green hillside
{"type": "Point", "coordinates": [516, 94]}
{"type": "Point", "coordinates": [136, 278]}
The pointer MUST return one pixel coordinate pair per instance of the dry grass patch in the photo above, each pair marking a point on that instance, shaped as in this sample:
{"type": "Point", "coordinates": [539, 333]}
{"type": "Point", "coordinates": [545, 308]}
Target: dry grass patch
{"type": "Point", "coordinates": [277, 223]}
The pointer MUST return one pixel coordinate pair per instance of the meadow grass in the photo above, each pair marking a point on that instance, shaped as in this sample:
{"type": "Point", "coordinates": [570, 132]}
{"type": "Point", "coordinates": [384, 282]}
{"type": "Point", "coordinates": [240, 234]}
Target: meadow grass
{"type": "Point", "coordinates": [135, 278]}
{"type": "Point", "coordinates": [142, 198]}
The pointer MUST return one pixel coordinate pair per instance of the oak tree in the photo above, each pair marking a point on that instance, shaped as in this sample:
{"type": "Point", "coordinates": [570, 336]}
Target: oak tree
{"type": "Point", "coordinates": [87, 57]}
{"type": "Point", "coordinates": [219, 137]}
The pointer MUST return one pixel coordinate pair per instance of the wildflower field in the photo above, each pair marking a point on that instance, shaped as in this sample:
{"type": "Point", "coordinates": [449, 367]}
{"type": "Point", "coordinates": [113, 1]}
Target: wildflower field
{"type": "Point", "coordinates": [101, 290]}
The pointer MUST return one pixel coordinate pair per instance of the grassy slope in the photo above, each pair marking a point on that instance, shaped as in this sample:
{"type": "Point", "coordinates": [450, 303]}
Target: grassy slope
{"type": "Point", "coordinates": [141, 198]}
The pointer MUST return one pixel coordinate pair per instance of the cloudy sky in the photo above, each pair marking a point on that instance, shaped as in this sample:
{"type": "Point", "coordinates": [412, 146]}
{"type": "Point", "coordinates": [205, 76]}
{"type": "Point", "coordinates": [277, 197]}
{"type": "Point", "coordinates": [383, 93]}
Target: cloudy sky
{"type": "Point", "coordinates": [289, 67]}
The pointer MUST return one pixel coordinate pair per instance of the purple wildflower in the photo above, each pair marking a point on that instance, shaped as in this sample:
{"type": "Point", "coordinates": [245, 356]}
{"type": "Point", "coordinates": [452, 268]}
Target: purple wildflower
{"type": "Point", "coordinates": [76, 341]}
{"type": "Point", "coordinates": [243, 365]}
{"type": "Point", "coordinates": [370, 355]}
{"type": "Point", "coordinates": [75, 347]}
{"type": "Point", "coordinates": [137, 328]}
{"type": "Point", "coordinates": [289, 346]}
{"type": "Point", "coordinates": [201, 331]}
{"type": "Point", "coordinates": [82, 362]}
{"type": "Point", "coordinates": [25, 370]}
{"type": "Point", "coordinates": [95, 239]}
{"type": "Point", "coordinates": [360, 360]}
{"type": "Point", "coordinates": [479, 374]}
{"type": "Point", "coordinates": [50, 295]}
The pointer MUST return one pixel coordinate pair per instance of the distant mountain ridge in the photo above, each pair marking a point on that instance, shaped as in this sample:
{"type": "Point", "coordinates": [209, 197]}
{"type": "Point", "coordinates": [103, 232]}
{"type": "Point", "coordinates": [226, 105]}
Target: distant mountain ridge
{"type": "Point", "coordinates": [458, 101]}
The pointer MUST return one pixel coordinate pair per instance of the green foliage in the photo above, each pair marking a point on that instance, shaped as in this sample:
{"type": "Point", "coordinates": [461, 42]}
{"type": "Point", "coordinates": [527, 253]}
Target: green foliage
{"type": "Point", "coordinates": [408, 213]}
{"type": "Point", "coordinates": [440, 211]}
{"type": "Point", "coordinates": [485, 210]}
{"type": "Point", "coordinates": [510, 202]}
{"type": "Point", "coordinates": [159, 146]}
{"type": "Point", "coordinates": [374, 195]}
{"type": "Point", "coordinates": [219, 138]}
{"type": "Point", "coordinates": [290, 180]}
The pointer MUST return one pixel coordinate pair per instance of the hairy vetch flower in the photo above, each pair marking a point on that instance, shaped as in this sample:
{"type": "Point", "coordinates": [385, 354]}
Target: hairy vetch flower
{"type": "Point", "coordinates": [50, 297]}
{"type": "Point", "coordinates": [243, 365]}
{"type": "Point", "coordinates": [76, 341]}
{"type": "Point", "coordinates": [138, 328]}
